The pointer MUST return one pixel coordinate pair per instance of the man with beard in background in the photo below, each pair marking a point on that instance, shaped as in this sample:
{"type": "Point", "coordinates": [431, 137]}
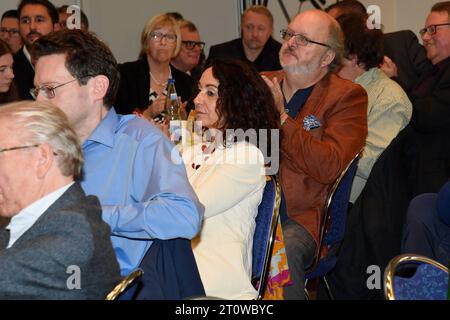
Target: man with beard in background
{"type": "Point", "coordinates": [37, 18]}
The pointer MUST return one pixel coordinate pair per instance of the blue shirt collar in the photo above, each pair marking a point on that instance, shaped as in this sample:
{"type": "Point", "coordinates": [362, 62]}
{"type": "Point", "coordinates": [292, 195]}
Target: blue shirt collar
{"type": "Point", "coordinates": [105, 131]}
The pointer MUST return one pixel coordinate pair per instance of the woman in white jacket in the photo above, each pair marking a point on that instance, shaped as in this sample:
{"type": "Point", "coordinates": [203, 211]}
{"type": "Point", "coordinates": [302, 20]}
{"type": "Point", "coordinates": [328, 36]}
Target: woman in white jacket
{"type": "Point", "coordinates": [227, 172]}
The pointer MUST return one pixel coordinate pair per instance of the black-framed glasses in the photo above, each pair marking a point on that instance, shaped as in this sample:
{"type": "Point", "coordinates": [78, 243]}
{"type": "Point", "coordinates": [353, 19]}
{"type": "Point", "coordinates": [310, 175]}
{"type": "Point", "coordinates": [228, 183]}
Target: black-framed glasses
{"type": "Point", "coordinates": [18, 148]}
{"type": "Point", "coordinates": [158, 36]}
{"type": "Point", "coordinates": [190, 45]}
{"type": "Point", "coordinates": [300, 39]}
{"type": "Point", "coordinates": [12, 32]}
{"type": "Point", "coordinates": [49, 91]}
{"type": "Point", "coordinates": [432, 29]}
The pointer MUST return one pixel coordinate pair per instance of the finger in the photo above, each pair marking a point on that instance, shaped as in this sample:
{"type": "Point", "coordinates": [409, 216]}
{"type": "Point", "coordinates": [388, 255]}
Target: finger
{"type": "Point", "coordinates": [268, 82]}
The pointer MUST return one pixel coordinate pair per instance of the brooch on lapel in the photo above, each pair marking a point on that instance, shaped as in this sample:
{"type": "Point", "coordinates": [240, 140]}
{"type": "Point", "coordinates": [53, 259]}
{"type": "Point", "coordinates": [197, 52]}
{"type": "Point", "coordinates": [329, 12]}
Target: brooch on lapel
{"type": "Point", "coordinates": [311, 122]}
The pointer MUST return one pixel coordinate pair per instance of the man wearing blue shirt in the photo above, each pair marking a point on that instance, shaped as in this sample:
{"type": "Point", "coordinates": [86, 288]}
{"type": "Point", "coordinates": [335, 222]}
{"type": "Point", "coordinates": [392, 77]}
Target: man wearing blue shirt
{"type": "Point", "coordinates": [144, 193]}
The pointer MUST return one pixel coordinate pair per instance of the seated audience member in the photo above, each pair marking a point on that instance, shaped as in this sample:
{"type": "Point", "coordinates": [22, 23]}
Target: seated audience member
{"type": "Point", "coordinates": [143, 83]}
{"type": "Point", "coordinates": [255, 45]}
{"type": "Point", "coordinates": [176, 15]}
{"type": "Point", "coordinates": [191, 58]}
{"type": "Point", "coordinates": [66, 13]}
{"type": "Point", "coordinates": [56, 245]}
{"type": "Point", "coordinates": [427, 227]}
{"type": "Point", "coordinates": [8, 92]}
{"type": "Point", "coordinates": [232, 97]}
{"type": "Point", "coordinates": [323, 127]}
{"type": "Point", "coordinates": [405, 58]}
{"type": "Point", "coordinates": [9, 31]}
{"type": "Point", "coordinates": [144, 195]}
{"type": "Point", "coordinates": [417, 161]}
{"type": "Point", "coordinates": [37, 18]}
{"type": "Point", "coordinates": [389, 109]}
{"type": "Point", "coordinates": [346, 7]}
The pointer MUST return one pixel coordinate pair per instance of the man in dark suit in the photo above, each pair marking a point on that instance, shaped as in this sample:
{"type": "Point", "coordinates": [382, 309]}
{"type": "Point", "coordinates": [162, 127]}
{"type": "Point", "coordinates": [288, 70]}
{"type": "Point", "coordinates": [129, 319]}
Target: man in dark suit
{"type": "Point", "coordinates": [56, 245]}
{"type": "Point", "coordinates": [416, 162]}
{"type": "Point", "coordinates": [36, 19]}
{"type": "Point", "coordinates": [256, 44]}
{"type": "Point", "coordinates": [408, 57]}
{"type": "Point", "coordinates": [405, 58]}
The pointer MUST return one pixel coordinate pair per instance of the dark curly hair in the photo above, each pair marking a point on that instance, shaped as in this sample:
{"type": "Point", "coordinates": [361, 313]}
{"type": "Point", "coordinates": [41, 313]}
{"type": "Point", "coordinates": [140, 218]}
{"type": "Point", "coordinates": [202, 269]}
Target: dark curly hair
{"type": "Point", "coordinates": [86, 56]}
{"type": "Point", "coordinates": [361, 41]}
{"type": "Point", "coordinates": [245, 101]}
{"type": "Point", "coordinates": [348, 6]}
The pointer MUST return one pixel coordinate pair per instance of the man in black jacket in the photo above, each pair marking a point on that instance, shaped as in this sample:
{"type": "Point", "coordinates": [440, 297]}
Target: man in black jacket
{"type": "Point", "coordinates": [37, 18]}
{"type": "Point", "coordinates": [416, 162]}
{"type": "Point", "coordinates": [256, 44]}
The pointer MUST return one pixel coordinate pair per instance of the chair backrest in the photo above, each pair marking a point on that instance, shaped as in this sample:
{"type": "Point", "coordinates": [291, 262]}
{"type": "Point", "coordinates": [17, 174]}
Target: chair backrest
{"type": "Point", "coordinates": [415, 277]}
{"type": "Point", "coordinates": [333, 228]}
{"type": "Point", "coordinates": [335, 215]}
{"type": "Point", "coordinates": [264, 236]}
{"type": "Point", "coordinates": [124, 284]}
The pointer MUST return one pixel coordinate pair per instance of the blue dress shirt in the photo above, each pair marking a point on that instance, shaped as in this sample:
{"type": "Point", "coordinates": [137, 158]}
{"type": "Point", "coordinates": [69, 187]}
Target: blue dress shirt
{"type": "Point", "coordinates": [144, 194]}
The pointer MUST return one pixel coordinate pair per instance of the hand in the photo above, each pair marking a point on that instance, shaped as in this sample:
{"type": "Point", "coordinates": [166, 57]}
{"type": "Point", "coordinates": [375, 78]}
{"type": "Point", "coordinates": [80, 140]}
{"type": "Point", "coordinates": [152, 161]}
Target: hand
{"type": "Point", "coordinates": [183, 112]}
{"type": "Point", "coordinates": [274, 86]}
{"type": "Point", "coordinates": [156, 108]}
{"type": "Point", "coordinates": [164, 127]}
{"type": "Point", "coordinates": [389, 67]}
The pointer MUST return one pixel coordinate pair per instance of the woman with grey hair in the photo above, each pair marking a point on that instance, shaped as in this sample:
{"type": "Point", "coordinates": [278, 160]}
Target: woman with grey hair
{"type": "Point", "coordinates": [144, 82]}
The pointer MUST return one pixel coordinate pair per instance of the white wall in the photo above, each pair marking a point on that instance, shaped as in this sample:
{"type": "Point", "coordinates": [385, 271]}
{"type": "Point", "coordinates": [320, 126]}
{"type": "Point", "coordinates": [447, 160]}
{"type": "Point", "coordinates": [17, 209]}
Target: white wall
{"type": "Point", "coordinates": [120, 22]}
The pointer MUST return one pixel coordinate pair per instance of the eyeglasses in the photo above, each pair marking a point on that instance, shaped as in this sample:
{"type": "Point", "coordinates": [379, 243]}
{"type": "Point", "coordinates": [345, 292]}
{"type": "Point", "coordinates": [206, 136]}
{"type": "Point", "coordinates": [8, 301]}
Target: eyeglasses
{"type": "Point", "coordinates": [18, 148]}
{"type": "Point", "coordinates": [47, 91]}
{"type": "Point", "coordinates": [300, 39]}
{"type": "Point", "coordinates": [158, 36]}
{"type": "Point", "coordinates": [11, 32]}
{"type": "Point", "coordinates": [432, 29]}
{"type": "Point", "coordinates": [190, 45]}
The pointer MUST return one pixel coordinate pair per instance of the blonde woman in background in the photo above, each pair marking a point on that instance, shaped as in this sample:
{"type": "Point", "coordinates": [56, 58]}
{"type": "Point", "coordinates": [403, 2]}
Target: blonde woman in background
{"type": "Point", "coordinates": [143, 82]}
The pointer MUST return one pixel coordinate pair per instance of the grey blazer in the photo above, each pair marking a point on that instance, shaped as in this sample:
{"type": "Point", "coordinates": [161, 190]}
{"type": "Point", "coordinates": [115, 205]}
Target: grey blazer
{"type": "Point", "coordinates": [68, 247]}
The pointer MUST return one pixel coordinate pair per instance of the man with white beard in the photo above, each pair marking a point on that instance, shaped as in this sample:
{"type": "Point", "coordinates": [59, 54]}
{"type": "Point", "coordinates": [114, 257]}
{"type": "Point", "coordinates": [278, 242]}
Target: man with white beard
{"type": "Point", "coordinates": [324, 126]}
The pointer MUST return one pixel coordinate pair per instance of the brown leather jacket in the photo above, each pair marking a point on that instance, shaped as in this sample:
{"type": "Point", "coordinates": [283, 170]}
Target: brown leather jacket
{"type": "Point", "coordinates": [312, 160]}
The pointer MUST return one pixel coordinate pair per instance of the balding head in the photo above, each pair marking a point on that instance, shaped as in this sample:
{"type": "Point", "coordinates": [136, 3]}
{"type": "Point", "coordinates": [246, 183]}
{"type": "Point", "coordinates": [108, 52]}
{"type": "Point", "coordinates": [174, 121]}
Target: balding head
{"type": "Point", "coordinates": [323, 53]}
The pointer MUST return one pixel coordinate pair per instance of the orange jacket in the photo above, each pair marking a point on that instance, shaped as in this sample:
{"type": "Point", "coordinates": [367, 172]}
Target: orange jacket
{"type": "Point", "coordinates": [310, 161]}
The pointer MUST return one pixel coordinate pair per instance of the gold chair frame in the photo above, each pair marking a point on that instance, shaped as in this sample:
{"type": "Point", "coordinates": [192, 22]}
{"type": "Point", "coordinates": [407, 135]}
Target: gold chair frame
{"type": "Point", "coordinates": [124, 284]}
{"type": "Point", "coordinates": [395, 262]}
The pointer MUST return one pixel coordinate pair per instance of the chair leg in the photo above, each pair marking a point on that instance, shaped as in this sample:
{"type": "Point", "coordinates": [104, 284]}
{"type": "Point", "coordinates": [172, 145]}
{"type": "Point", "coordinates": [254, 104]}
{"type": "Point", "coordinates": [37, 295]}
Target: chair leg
{"type": "Point", "coordinates": [307, 294]}
{"type": "Point", "coordinates": [306, 291]}
{"type": "Point", "coordinates": [327, 286]}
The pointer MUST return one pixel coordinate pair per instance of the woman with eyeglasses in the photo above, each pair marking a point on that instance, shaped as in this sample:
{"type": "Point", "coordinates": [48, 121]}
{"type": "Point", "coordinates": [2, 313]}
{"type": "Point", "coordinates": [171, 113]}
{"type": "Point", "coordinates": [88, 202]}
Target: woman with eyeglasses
{"type": "Point", "coordinates": [8, 92]}
{"type": "Point", "coordinates": [143, 82]}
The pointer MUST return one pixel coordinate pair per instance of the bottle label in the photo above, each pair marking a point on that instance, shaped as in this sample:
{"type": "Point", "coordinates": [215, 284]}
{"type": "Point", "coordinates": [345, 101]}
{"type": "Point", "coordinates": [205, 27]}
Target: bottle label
{"type": "Point", "coordinates": [175, 129]}
{"type": "Point", "coordinates": [173, 96]}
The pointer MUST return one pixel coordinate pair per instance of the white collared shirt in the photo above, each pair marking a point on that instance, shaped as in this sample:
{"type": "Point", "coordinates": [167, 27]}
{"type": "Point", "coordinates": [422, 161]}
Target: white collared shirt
{"type": "Point", "coordinates": [27, 55]}
{"type": "Point", "coordinates": [25, 219]}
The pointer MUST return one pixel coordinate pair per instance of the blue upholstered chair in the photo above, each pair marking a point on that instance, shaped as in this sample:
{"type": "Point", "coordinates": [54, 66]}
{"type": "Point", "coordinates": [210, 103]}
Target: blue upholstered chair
{"type": "Point", "coordinates": [263, 239]}
{"type": "Point", "coordinates": [333, 225]}
{"type": "Point", "coordinates": [415, 277]}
